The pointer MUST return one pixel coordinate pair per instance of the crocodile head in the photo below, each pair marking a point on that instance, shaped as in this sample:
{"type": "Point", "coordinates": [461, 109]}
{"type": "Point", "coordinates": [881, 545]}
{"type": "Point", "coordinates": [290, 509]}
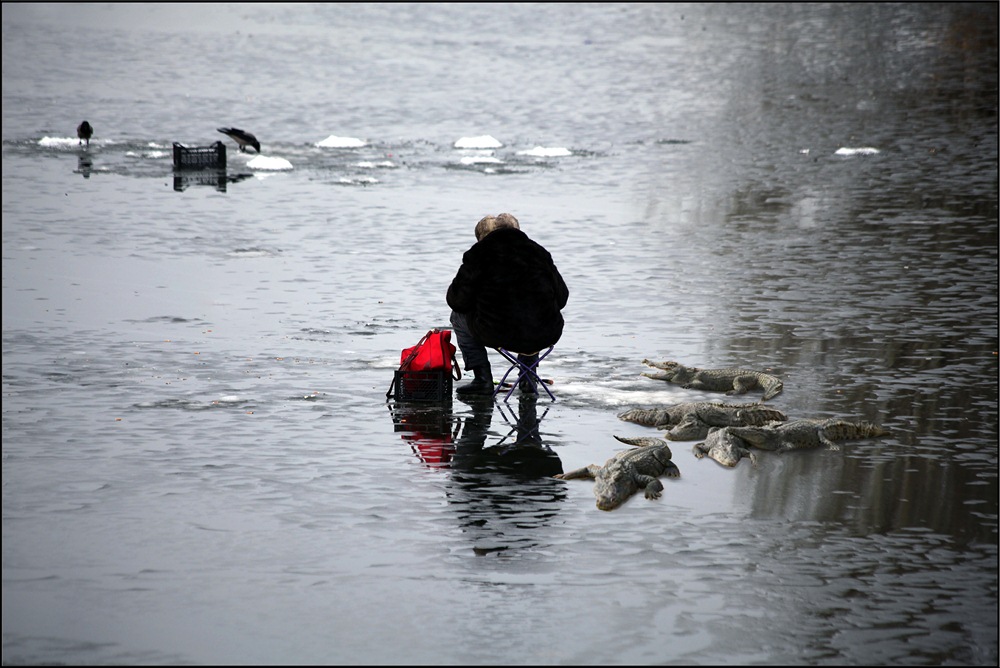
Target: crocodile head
{"type": "Point", "coordinates": [725, 447]}
{"type": "Point", "coordinates": [613, 490]}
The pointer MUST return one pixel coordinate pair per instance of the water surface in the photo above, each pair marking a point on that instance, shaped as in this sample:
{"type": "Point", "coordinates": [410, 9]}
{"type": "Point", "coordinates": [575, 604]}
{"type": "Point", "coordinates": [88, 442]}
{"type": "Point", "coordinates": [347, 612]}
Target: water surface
{"type": "Point", "coordinates": [199, 461]}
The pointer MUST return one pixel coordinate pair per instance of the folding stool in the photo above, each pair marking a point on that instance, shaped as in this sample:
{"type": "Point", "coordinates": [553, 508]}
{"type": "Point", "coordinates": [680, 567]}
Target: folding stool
{"type": "Point", "coordinates": [524, 372]}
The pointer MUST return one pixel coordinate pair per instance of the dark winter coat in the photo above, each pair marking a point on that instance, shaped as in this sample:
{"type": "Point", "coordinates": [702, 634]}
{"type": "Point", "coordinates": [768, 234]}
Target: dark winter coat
{"type": "Point", "coordinates": [510, 293]}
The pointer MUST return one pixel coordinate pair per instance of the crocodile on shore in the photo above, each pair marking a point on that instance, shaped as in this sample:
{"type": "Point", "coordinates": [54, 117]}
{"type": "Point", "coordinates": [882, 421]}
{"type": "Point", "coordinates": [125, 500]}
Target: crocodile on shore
{"type": "Point", "coordinates": [629, 471]}
{"type": "Point", "coordinates": [691, 421]}
{"type": "Point", "coordinates": [730, 381]}
{"type": "Point", "coordinates": [799, 434]}
{"type": "Point", "coordinates": [729, 444]}
{"type": "Point", "coordinates": [724, 447]}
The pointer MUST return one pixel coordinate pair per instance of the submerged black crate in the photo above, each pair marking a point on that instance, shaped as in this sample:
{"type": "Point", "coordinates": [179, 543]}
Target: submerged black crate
{"type": "Point", "coordinates": [200, 157]}
{"type": "Point", "coordinates": [422, 386]}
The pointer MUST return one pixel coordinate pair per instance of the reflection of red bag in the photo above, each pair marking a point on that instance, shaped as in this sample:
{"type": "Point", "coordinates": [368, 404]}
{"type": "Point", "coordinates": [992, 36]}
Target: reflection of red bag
{"type": "Point", "coordinates": [429, 433]}
{"type": "Point", "coordinates": [432, 453]}
{"type": "Point", "coordinates": [434, 352]}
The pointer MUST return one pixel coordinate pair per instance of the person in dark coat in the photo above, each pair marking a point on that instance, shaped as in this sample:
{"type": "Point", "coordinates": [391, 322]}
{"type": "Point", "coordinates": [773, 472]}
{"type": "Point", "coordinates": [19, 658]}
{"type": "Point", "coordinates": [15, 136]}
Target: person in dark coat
{"type": "Point", "coordinates": [507, 294]}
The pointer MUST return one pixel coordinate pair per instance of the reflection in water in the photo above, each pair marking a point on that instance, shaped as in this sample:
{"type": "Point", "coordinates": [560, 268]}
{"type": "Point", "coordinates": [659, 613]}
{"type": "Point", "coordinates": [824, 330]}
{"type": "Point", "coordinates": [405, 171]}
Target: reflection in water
{"type": "Point", "coordinates": [503, 492]}
{"type": "Point", "coordinates": [895, 347]}
{"type": "Point", "coordinates": [713, 222]}
{"type": "Point", "coordinates": [428, 429]}
{"type": "Point", "coordinates": [894, 492]}
{"type": "Point", "coordinates": [441, 439]}
{"type": "Point", "coordinates": [868, 283]}
{"type": "Point", "coordinates": [521, 453]}
{"type": "Point", "coordinates": [524, 425]}
{"type": "Point", "coordinates": [218, 179]}
{"type": "Point", "coordinates": [84, 165]}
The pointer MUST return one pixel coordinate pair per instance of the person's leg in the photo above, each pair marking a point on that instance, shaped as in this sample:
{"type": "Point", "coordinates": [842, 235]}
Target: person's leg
{"type": "Point", "coordinates": [475, 357]}
{"type": "Point", "coordinates": [527, 384]}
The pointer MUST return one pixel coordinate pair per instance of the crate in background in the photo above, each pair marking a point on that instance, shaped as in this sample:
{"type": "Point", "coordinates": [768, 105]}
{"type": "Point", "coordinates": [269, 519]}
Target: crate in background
{"type": "Point", "coordinates": [200, 157]}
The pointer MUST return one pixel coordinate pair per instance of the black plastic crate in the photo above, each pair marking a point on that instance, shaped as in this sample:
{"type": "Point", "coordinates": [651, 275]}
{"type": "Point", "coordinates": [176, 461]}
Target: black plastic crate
{"type": "Point", "coordinates": [200, 157]}
{"type": "Point", "coordinates": [422, 386]}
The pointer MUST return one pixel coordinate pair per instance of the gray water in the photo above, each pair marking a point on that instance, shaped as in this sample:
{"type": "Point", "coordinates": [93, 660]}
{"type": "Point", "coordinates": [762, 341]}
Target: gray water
{"type": "Point", "coordinates": [199, 462]}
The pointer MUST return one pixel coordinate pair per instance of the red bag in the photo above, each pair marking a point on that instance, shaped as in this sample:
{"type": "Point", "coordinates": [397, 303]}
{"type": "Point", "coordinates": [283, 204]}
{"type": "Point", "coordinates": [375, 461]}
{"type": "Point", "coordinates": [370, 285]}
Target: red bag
{"type": "Point", "coordinates": [433, 352]}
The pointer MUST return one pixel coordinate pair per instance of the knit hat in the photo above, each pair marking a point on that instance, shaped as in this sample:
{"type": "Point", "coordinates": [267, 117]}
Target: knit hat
{"type": "Point", "coordinates": [493, 223]}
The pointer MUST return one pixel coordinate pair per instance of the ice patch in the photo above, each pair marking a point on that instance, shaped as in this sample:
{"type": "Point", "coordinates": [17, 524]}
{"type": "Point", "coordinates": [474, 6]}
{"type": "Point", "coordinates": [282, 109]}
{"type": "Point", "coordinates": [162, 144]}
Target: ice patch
{"type": "Point", "coordinates": [480, 159]}
{"type": "Point", "coordinates": [268, 163]}
{"type": "Point", "coordinates": [333, 141]}
{"type": "Point", "coordinates": [250, 252]}
{"type": "Point", "coordinates": [483, 141]}
{"type": "Point", "coordinates": [358, 181]}
{"type": "Point", "coordinates": [865, 150]}
{"type": "Point", "coordinates": [543, 152]}
{"type": "Point", "coordinates": [58, 142]}
{"type": "Point", "coordinates": [147, 154]}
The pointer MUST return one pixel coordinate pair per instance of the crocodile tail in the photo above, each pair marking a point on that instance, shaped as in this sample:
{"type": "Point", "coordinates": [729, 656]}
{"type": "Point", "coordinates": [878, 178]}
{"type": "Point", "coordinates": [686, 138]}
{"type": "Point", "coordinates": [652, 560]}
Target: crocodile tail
{"type": "Point", "coordinates": [640, 441]}
{"type": "Point", "coordinates": [648, 417]}
{"type": "Point", "coordinates": [843, 430]}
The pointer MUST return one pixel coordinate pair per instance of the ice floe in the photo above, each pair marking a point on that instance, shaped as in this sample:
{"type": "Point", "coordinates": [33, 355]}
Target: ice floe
{"type": "Point", "coordinates": [864, 150]}
{"type": "Point", "coordinates": [269, 163]}
{"type": "Point", "coordinates": [59, 142]}
{"type": "Point", "coordinates": [543, 152]}
{"type": "Point", "coordinates": [333, 141]}
{"type": "Point", "coordinates": [483, 141]}
{"type": "Point", "coordinates": [480, 159]}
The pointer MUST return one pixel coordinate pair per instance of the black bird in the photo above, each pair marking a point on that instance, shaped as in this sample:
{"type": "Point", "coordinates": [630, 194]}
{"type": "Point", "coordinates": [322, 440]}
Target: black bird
{"type": "Point", "coordinates": [242, 138]}
{"type": "Point", "coordinates": [84, 131]}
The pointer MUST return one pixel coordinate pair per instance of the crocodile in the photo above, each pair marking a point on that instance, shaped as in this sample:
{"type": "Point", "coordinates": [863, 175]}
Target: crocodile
{"type": "Point", "coordinates": [724, 447]}
{"type": "Point", "coordinates": [629, 471]}
{"type": "Point", "coordinates": [730, 381]}
{"type": "Point", "coordinates": [691, 421]}
{"type": "Point", "coordinates": [800, 434]}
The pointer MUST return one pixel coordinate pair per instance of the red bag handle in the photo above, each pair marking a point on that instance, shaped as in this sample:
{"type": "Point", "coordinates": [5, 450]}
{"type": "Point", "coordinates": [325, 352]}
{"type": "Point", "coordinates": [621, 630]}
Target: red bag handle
{"type": "Point", "coordinates": [416, 349]}
{"type": "Point", "coordinates": [456, 370]}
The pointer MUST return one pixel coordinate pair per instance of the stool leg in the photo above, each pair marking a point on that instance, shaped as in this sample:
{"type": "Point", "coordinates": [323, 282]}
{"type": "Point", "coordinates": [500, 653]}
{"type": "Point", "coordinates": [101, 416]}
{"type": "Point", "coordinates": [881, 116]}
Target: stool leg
{"type": "Point", "coordinates": [538, 378]}
{"type": "Point", "coordinates": [526, 373]}
{"type": "Point", "coordinates": [526, 380]}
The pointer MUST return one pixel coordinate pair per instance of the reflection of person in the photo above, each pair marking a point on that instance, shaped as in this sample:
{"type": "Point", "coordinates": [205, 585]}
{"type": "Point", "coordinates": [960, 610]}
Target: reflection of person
{"type": "Point", "coordinates": [502, 494]}
{"type": "Point", "coordinates": [507, 294]}
{"type": "Point", "coordinates": [525, 457]}
{"type": "Point", "coordinates": [84, 165]}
